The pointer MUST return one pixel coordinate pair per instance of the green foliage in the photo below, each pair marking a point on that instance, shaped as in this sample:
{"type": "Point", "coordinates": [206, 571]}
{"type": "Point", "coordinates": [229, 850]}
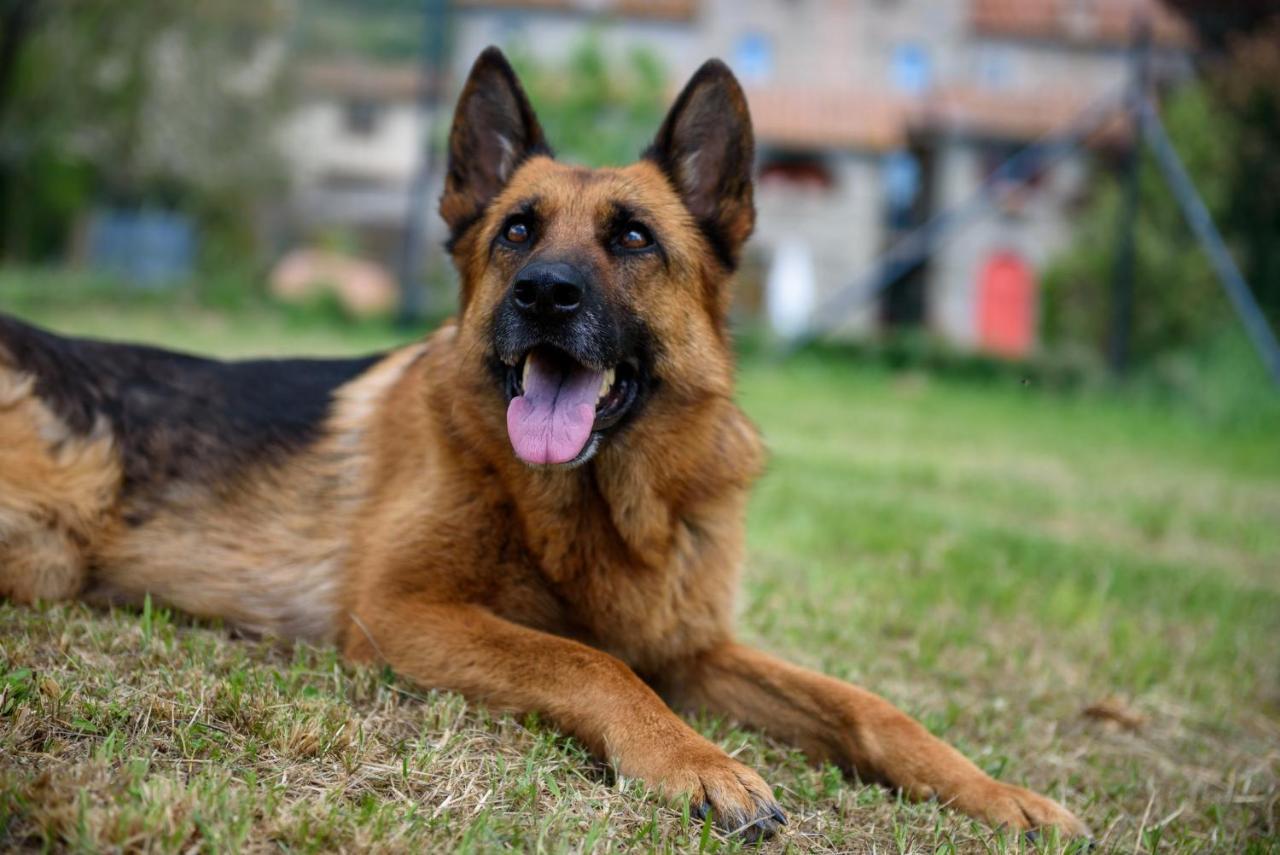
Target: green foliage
{"type": "Point", "coordinates": [163, 102]}
{"type": "Point", "coordinates": [596, 111]}
{"type": "Point", "coordinates": [595, 108]}
{"type": "Point", "coordinates": [1178, 302]}
{"type": "Point", "coordinates": [1222, 382]}
{"type": "Point", "coordinates": [386, 30]}
{"type": "Point", "coordinates": [43, 198]}
{"type": "Point", "coordinates": [1249, 86]}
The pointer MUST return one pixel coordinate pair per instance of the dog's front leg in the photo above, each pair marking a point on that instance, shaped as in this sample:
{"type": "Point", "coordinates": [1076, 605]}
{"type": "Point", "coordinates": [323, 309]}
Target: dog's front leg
{"type": "Point", "coordinates": [857, 730]}
{"type": "Point", "coordinates": [586, 692]}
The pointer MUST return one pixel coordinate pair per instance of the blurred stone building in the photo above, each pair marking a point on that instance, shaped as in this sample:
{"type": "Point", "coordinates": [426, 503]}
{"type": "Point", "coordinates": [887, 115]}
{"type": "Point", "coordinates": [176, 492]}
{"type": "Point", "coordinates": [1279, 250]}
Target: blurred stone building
{"type": "Point", "coordinates": [872, 116]}
{"type": "Point", "coordinates": [354, 139]}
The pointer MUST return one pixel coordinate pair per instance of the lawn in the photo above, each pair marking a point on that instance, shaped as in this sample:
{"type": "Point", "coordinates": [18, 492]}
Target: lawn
{"type": "Point", "coordinates": [992, 557]}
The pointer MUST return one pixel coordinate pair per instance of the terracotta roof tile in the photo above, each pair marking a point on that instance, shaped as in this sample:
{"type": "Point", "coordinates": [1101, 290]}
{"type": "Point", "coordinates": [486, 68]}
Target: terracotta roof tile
{"type": "Point", "coordinates": [362, 80]}
{"type": "Point", "coordinates": [674, 10]}
{"type": "Point", "coordinates": [1081, 21]}
{"type": "Point", "coordinates": [826, 119]}
{"type": "Point", "coordinates": [862, 120]}
{"type": "Point", "coordinates": [1012, 115]}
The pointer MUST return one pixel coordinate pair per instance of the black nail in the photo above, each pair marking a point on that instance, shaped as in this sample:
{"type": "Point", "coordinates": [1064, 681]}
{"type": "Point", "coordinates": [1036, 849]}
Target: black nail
{"type": "Point", "coordinates": [779, 816]}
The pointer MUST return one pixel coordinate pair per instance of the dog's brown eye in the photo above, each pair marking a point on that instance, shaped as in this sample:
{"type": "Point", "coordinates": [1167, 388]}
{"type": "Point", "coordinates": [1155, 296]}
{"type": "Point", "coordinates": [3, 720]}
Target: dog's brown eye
{"type": "Point", "coordinates": [635, 236]}
{"type": "Point", "coordinates": [517, 232]}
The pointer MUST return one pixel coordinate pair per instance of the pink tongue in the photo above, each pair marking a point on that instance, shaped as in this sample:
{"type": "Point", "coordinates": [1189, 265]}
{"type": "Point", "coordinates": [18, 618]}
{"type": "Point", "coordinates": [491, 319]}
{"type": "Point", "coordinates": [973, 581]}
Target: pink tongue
{"type": "Point", "coordinates": [551, 421]}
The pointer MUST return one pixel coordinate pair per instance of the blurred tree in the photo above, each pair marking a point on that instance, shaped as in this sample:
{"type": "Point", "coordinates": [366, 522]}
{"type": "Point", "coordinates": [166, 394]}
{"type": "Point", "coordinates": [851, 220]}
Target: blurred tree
{"type": "Point", "coordinates": [594, 112]}
{"type": "Point", "coordinates": [1249, 87]}
{"type": "Point", "coordinates": [17, 19]}
{"type": "Point", "coordinates": [387, 30]}
{"type": "Point", "coordinates": [1242, 65]}
{"type": "Point", "coordinates": [1177, 301]}
{"type": "Point", "coordinates": [1227, 129]}
{"type": "Point", "coordinates": [1218, 22]}
{"type": "Point", "coordinates": [153, 101]}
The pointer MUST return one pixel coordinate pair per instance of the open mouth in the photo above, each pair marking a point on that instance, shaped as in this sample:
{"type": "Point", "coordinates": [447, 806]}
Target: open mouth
{"type": "Point", "coordinates": [559, 407]}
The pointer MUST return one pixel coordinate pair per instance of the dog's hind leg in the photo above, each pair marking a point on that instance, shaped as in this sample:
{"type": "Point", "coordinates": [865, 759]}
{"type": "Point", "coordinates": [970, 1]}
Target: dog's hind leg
{"type": "Point", "coordinates": [55, 489]}
{"type": "Point", "coordinates": [858, 731]}
{"type": "Point", "coordinates": [39, 562]}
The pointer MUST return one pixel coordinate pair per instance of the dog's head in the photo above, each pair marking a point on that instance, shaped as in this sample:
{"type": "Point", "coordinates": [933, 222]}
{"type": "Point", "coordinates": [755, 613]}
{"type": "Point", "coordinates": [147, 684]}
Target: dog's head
{"type": "Point", "coordinates": [596, 297]}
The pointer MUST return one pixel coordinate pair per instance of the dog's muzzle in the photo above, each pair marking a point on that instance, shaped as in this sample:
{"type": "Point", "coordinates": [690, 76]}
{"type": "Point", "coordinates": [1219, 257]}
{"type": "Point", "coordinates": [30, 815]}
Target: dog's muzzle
{"type": "Point", "coordinates": [567, 379]}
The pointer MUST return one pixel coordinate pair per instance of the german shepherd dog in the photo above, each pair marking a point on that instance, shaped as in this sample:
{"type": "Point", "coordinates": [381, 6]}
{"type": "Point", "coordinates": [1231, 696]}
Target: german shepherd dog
{"type": "Point", "coordinates": [540, 506]}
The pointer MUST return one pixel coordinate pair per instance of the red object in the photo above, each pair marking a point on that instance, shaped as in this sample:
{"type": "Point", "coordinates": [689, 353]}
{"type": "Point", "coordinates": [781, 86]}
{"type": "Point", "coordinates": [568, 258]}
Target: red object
{"type": "Point", "coordinates": [1006, 306]}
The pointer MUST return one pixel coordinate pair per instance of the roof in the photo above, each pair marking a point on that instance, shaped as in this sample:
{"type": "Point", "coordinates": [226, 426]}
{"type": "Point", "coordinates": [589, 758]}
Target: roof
{"type": "Point", "coordinates": [1012, 115]}
{"type": "Point", "coordinates": [668, 10]}
{"type": "Point", "coordinates": [866, 120]}
{"type": "Point", "coordinates": [1102, 22]}
{"type": "Point", "coordinates": [363, 80]}
{"type": "Point", "coordinates": [803, 117]}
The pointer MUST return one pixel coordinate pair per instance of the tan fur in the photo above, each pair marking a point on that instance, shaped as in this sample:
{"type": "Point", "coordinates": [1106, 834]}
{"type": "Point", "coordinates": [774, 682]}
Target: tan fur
{"type": "Point", "coordinates": [265, 553]}
{"type": "Point", "coordinates": [477, 567]}
{"type": "Point", "coordinates": [55, 491]}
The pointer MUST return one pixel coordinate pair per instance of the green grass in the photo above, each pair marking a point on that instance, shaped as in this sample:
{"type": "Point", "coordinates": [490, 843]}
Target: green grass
{"type": "Point", "coordinates": [991, 557]}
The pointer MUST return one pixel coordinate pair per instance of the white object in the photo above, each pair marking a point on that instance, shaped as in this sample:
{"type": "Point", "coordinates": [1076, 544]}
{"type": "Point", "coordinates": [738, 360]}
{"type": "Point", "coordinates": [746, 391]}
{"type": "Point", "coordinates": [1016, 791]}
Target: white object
{"type": "Point", "coordinates": [790, 289]}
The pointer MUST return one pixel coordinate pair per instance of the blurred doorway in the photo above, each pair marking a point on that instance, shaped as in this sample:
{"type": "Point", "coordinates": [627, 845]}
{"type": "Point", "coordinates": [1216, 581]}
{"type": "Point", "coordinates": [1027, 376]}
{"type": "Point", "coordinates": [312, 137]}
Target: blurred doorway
{"type": "Point", "coordinates": [907, 179]}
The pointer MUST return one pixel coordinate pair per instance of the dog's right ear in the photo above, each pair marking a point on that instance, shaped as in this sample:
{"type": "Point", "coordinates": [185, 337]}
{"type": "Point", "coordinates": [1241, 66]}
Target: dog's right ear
{"type": "Point", "coordinates": [494, 131]}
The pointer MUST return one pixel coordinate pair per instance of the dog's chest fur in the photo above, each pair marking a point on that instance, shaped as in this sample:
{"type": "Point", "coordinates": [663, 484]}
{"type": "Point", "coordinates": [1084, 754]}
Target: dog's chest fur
{"type": "Point", "coordinates": [650, 586]}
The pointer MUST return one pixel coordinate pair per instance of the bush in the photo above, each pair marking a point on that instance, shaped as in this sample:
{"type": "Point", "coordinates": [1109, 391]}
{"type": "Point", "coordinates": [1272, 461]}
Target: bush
{"type": "Point", "coordinates": [595, 111]}
{"type": "Point", "coordinates": [1178, 304]}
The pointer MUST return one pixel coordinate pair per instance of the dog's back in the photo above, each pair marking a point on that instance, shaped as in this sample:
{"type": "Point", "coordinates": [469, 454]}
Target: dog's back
{"type": "Point", "coordinates": [127, 469]}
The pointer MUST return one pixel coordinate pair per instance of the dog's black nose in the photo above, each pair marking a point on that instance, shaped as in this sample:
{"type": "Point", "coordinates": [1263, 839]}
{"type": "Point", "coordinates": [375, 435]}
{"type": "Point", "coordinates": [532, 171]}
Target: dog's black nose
{"type": "Point", "coordinates": [548, 290]}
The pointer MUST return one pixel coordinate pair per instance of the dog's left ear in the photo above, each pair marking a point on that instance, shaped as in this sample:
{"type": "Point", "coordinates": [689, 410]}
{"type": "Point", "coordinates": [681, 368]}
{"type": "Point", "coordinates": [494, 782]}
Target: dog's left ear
{"type": "Point", "coordinates": [494, 131]}
{"type": "Point", "coordinates": [705, 147]}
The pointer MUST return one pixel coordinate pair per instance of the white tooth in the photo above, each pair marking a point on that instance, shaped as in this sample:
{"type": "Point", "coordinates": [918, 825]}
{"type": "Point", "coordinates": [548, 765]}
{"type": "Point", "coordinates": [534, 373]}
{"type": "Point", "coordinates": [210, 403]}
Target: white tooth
{"type": "Point", "coordinates": [606, 383]}
{"type": "Point", "coordinates": [524, 375]}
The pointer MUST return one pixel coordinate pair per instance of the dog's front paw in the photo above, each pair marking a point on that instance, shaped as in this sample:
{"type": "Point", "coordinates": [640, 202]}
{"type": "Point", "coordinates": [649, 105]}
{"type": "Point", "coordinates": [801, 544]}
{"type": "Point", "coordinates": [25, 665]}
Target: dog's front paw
{"type": "Point", "coordinates": [718, 786]}
{"type": "Point", "coordinates": [739, 800]}
{"type": "Point", "coordinates": [1018, 808]}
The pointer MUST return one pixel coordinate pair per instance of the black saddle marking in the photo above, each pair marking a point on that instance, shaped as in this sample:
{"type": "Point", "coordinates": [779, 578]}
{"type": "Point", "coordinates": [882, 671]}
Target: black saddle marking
{"type": "Point", "coordinates": [177, 416]}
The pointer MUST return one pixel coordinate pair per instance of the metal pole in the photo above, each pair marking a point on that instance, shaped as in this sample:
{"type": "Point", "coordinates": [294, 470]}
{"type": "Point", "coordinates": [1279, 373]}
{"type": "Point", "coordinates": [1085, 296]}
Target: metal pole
{"type": "Point", "coordinates": [1122, 272]}
{"type": "Point", "coordinates": [413, 254]}
{"type": "Point", "coordinates": [1201, 223]}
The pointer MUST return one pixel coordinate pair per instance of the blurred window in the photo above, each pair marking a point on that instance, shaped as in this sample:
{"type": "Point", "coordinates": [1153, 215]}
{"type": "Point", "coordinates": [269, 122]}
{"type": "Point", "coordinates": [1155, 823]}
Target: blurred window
{"type": "Point", "coordinates": [360, 117]}
{"type": "Point", "coordinates": [753, 57]}
{"type": "Point", "coordinates": [901, 177]}
{"type": "Point", "coordinates": [1020, 180]}
{"type": "Point", "coordinates": [910, 69]}
{"type": "Point", "coordinates": [796, 170]}
{"type": "Point", "coordinates": [1027, 171]}
{"type": "Point", "coordinates": [511, 28]}
{"type": "Point", "coordinates": [993, 67]}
